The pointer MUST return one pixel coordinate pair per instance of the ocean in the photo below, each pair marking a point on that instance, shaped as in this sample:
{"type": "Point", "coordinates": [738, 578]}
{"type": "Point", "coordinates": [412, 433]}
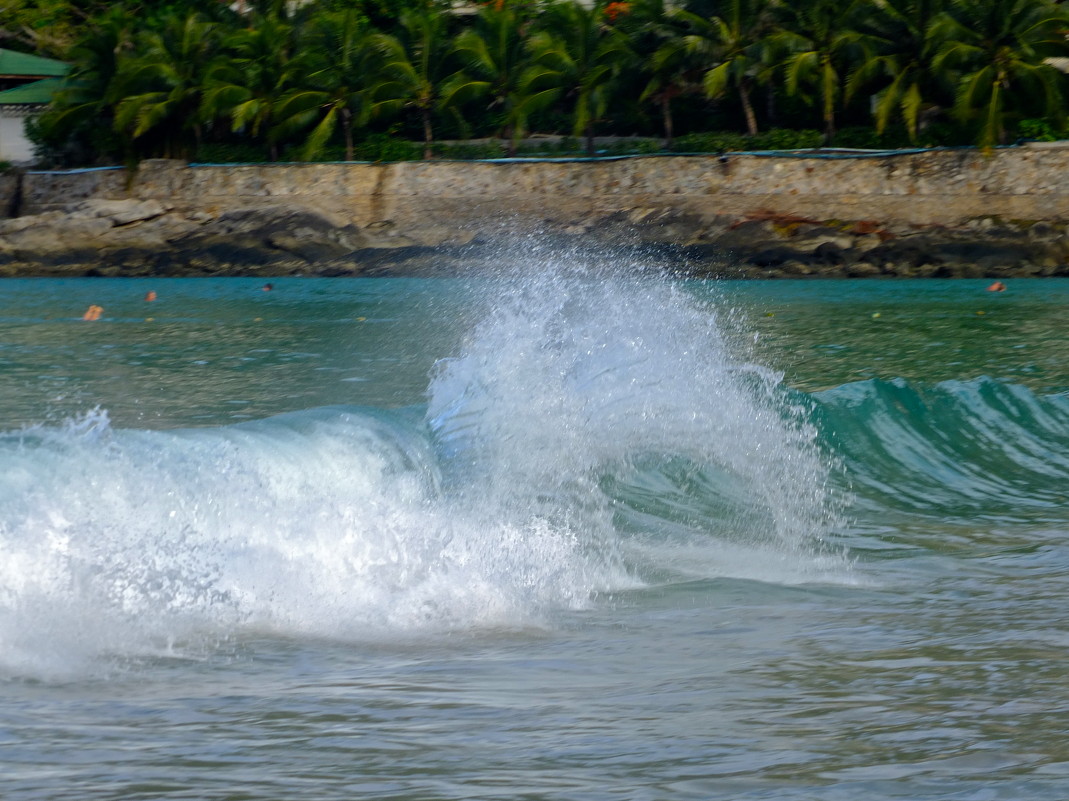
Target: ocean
{"type": "Point", "coordinates": [573, 528]}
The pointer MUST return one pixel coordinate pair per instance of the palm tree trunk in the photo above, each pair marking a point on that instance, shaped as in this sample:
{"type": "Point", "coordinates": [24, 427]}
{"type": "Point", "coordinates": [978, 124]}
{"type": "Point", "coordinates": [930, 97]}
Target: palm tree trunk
{"type": "Point", "coordinates": [428, 134]}
{"type": "Point", "coordinates": [347, 131]}
{"type": "Point", "coordinates": [829, 99]}
{"type": "Point", "coordinates": [666, 118]}
{"type": "Point", "coordinates": [747, 108]}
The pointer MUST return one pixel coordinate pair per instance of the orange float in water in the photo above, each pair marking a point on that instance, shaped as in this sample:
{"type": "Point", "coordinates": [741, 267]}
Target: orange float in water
{"type": "Point", "coordinates": [93, 313]}
{"type": "Point", "coordinates": [150, 295]}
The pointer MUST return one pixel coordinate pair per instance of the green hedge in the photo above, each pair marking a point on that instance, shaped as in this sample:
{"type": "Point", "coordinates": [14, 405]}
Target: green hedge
{"type": "Point", "coordinates": [385, 147]}
{"type": "Point", "coordinates": [727, 141]}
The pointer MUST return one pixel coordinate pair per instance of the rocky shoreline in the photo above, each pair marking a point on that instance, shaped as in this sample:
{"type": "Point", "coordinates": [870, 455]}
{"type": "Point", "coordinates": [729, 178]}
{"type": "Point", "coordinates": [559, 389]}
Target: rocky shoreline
{"type": "Point", "coordinates": [136, 237]}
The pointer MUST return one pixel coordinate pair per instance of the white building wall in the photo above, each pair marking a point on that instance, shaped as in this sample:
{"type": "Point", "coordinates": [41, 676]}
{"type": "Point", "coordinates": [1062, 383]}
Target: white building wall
{"type": "Point", "coordinates": [14, 146]}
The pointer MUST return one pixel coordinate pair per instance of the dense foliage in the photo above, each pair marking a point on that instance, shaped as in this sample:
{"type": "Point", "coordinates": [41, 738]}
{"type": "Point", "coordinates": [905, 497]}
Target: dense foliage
{"type": "Point", "coordinates": [364, 79]}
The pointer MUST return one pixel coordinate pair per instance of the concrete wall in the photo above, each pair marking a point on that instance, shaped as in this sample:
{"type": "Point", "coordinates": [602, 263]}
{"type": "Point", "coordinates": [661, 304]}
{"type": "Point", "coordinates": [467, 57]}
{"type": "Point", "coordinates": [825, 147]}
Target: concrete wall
{"type": "Point", "coordinates": [942, 187]}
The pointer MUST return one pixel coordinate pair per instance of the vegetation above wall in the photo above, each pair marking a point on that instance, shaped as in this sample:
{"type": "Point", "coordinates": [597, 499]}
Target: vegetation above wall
{"type": "Point", "coordinates": [388, 79]}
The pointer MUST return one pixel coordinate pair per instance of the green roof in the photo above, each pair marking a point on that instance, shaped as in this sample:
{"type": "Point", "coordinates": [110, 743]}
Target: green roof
{"type": "Point", "coordinates": [36, 93]}
{"type": "Point", "coordinates": [14, 64]}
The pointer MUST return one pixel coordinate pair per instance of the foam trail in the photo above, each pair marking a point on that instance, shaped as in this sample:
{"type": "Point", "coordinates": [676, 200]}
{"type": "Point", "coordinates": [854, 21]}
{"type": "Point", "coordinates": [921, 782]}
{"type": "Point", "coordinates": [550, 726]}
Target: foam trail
{"type": "Point", "coordinates": [128, 544]}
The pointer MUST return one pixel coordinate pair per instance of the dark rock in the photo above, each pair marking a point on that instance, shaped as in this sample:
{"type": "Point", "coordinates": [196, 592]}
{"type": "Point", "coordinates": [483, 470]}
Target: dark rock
{"type": "Point", "coordinates": [773, 257]}
{"type": "Point", "coordinates": [306, 248]}
{"type": "Point", "coordinates": [862, 269]}
{"type": "Point", "coordinates": [337, 271]}
{"type": "Point", "coordinates": [284, 240]}
{"type": "Point", "coordinates": [830, 253]}
{"type": "Point", "coordinates": [796, 268]}
{"type": "Point", "coordinates": [913, 252]}
{"type": "Point", "coordinates": [1043, 231]}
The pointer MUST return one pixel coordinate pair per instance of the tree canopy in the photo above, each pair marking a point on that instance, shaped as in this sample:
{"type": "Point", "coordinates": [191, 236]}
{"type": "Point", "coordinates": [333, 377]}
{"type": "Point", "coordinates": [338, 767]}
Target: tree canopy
{"type": "Point", "coordinates": [345, 79]}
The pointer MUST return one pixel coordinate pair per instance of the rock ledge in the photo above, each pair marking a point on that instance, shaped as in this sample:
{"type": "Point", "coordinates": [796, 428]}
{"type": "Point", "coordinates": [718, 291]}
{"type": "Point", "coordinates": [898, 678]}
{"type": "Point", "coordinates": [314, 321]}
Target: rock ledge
{"type": "Point", "coordinates": [146, 237]}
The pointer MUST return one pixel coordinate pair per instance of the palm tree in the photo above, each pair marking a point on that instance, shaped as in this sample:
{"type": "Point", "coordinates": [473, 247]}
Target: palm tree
{"type": "Point", "coordinates": [413, 70]}
{"type": "Point", "coordinates": [999, 48]}
{"type": "Point", "coordinates": [656, 36]}
{"type": "Point", "coordinates": [738, 41]}
{"type": "Point", "coordinates": [164, 85]}
{"type": "Point", "coordinates": [86, 101]}
{"type": "Point", "coordinates": [333, 63]}
{"type": "Point", "coordinates": [495, 54]}
{"type": "Point", "coordinates": [901, 38]}
{"type": "Point", "coordinates": [577, 56]}
{"type": "Point", "coordinates": [821, 43]}
{"type": "Point", "coordinates": [252, 84]}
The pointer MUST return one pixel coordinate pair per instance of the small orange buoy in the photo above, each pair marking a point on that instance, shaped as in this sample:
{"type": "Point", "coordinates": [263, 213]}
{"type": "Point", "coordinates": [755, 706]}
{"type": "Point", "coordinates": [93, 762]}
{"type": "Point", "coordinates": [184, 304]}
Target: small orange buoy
{"type": "Point", "coordinates": [93, 312]}
{"type": "Point", "coordinates": [998, 286]}
{"type": "Point", "coordinates": [150, 295]}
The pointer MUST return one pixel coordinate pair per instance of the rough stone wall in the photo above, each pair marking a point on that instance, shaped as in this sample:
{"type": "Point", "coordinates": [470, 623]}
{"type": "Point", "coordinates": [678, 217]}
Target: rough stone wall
{"type": "Point", "coordinates": [9, 188]}
{"type": "Point", "coordinates": [439, 202]}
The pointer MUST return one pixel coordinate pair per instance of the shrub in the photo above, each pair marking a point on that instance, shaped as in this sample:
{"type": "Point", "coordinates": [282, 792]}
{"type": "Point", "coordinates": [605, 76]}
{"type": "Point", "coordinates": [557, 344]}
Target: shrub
{"type": "Point", "coordinates": [568, 145]}
{"type": "Point", "coordinates": [865, 137]}
{"type": "Point", "coordinates": [945, 134]}
{"type": "Point", "coordinates": [242, 153]}
{"type": "Point", "coordinates": [470, 152]}
{"type": "Point", "coordinates": [787, 139]}
{"type": "Point", "coordinates": [710, 142]}
{"type": "Point", "coordinates": [624, 147]}
{"type": "Point", "coordinates": [726, 141]}
{"type": "Point", "coordinates": [383, 147]}
{"type": "Point", "coordinates": [1040, 131]}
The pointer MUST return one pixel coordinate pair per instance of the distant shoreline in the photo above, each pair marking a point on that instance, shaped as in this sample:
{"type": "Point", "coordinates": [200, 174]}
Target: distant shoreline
{"type": "Point", "coordinates": [951, 213]}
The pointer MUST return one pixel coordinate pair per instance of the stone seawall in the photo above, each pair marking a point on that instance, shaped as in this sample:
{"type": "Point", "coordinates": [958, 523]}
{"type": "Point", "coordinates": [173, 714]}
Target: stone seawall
{"type": "Point", "coordinates": [10, 194]}
{"type": "Point", "coordinates": [935, 187]}
{"type": "Point", "coordinates": [755, 214]}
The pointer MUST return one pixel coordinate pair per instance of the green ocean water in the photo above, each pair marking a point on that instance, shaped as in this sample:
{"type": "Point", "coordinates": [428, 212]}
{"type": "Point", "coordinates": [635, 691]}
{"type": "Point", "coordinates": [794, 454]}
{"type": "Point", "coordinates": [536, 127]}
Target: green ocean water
{"type": "Point", "coordinates": [558, 533]}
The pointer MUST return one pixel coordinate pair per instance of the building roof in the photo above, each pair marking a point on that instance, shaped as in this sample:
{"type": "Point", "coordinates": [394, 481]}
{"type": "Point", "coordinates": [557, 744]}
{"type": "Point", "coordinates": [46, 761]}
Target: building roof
{"type": "Point", "coordinates": [24, 65]}
{"type": "Point", "coordinates": [29, 94]}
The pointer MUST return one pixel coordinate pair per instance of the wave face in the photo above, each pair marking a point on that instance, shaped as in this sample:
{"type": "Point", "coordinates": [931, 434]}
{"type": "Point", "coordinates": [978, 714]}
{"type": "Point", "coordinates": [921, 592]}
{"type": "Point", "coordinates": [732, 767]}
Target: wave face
{"type": "Point", "coordinates": [954, 448]}
{"type": "Point", "coordinates": [592, 434]}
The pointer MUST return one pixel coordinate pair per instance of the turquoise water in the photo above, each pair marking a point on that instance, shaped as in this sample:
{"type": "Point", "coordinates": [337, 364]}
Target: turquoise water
{"type": "Point", "coordinates": [559, 533]}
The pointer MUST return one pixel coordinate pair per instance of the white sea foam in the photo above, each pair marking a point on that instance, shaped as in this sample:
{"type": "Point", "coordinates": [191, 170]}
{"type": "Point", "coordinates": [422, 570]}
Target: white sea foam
{"type": "Point", "coordinates": [573, 375]}
{"type": "Point", "coordinates": [324, 523]}
{"type": "Point", "coordinates": [514, 499]}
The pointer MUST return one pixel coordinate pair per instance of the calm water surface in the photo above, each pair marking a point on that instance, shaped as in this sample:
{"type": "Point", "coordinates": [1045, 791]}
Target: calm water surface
{"type": "Point", "coordinates": [556, 534]}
